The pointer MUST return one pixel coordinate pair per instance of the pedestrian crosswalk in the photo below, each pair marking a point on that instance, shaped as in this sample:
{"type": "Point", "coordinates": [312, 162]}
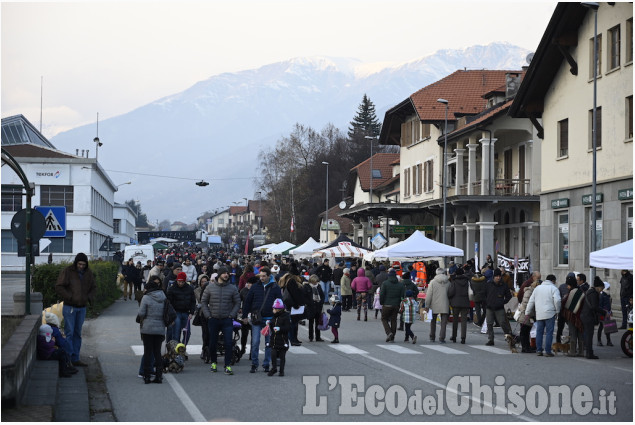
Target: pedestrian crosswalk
{"type": "Point", "coordinates": [409, 349]}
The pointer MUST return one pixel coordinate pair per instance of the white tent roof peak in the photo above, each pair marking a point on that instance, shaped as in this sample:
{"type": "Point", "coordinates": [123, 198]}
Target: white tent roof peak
{"type": "Point", "coordinates": [418, 246]}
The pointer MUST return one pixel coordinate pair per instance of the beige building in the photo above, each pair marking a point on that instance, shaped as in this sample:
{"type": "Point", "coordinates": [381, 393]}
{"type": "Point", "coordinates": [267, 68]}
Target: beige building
{"type": "Point", "coordinates": [557, 95]}
{"type": "Point", "coordinates": [491, 158]}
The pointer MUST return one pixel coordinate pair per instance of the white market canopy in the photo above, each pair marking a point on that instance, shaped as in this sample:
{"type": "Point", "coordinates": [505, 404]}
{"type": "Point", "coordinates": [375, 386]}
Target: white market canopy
{"type": "Point", "coordinates": [619, 257]}
{"type": "Point", "coordinates": [264, 247]}
{"type": "Point", "coordinates": [280, 248]}
{"type": "Point", "coordinates": [417, 246]}
{"type": "Point", "coordinates": [306, 249]}
{"type": "Point", "coordinates": [342, 250]}
{"type": "Point", "coordinates": [166, 240]}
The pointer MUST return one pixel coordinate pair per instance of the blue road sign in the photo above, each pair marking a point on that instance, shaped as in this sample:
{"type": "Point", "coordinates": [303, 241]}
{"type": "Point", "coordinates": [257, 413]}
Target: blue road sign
{"type": "Point", "coordinates": [55, 219]}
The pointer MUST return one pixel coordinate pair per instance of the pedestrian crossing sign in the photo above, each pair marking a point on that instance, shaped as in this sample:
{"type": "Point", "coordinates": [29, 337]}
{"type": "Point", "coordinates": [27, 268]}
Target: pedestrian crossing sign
{"type": "Point", "coordinates": [55, 219]}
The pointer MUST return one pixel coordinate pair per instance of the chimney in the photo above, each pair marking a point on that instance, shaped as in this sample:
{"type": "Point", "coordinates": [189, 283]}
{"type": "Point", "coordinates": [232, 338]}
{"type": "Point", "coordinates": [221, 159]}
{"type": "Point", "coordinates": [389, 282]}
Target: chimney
{"type": "Point", "coordinates": [76, 152]}
{"type": "Point", "coordinates": [512, 83]}
{"type": "Point", "coordinates": [87, 153]}
{"type": "Point", "coordinates": [82, 152]}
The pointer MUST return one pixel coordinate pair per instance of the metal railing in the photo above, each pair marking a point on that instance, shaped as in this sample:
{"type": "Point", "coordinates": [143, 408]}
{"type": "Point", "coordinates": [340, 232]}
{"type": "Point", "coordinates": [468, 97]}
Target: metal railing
{"type": "Point", "coordinates": [511, 187]}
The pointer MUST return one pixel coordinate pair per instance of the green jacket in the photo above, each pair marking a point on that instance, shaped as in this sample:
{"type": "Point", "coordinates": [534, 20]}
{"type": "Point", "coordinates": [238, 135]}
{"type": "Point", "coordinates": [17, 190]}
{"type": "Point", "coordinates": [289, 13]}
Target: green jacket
{"type": "Point", "coordinates": [392, 292]}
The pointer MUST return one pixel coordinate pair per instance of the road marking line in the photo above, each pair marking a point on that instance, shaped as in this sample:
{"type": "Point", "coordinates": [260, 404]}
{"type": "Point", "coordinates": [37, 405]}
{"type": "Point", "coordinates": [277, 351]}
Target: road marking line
{"type": "Point", "coordinates": [443, 349]}
{"type": "Point", "coordinates": [445, 388]}
{"type": "Point", "coordinates": [399, 349]}
{"type": "Point", "coordinates": [300, 350]}
{"type": "Point", "coordinates": [491, 349]}
{"type": "Point", "coordinates": [326, 338]}
{"type": "Point", "coordinates": [348, 349]}
{"type": "Point", "coordinates": [189, 405]}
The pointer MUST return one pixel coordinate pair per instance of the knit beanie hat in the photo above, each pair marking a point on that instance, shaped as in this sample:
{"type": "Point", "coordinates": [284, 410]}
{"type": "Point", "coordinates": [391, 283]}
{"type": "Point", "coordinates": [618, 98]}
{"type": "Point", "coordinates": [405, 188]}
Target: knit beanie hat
{"type": "Point", "coordinates": [181, 276]}
{"type": "Point", "coordinates": [392, 273]}
{"type": "Point", "coordinates": [52, 319]}
{"type": "Point", "coordinates": [497, 272]}
{"type": "Point", "coordinates": [278, 304]}
{"type": "Point", "coordinates": [46, 331]}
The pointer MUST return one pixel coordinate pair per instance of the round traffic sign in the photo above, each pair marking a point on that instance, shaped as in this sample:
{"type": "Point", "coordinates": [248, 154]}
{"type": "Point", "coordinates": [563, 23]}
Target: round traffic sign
{"type": "Point", "coordinates": [18, 225]}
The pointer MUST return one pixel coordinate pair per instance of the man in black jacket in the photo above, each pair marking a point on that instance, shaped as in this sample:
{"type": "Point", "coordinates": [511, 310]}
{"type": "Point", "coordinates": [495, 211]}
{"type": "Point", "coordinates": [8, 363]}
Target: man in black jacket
{"type": "Point", "coordinates": [590, 315]}
{"type": "Point", "coordinates": [626, 295]}
{"type": "Point", "coordinates": [497, 296]}
{"type": "Point", "coordinates": [182, 298]}
{"type": "Point", "coordinates": [337, 278]}
{"type": "Point", "coordinates": [325, 273]}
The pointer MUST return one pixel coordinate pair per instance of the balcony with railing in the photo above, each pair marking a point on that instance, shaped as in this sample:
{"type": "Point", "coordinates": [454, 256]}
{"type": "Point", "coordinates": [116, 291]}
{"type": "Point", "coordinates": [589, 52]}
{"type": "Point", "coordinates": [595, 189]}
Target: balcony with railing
{"type": "Point", "coordinates": [502, 187]}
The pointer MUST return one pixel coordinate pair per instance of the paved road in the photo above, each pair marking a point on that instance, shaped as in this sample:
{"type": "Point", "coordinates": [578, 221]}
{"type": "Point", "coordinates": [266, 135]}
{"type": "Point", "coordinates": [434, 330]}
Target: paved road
{"type": "Point", "coordinates": [392, 380]}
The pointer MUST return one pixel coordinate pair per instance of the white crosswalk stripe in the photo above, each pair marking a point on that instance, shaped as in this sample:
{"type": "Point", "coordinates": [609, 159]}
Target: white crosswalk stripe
{"type": "Point", "coordinates": [347, 349]}
{"type": "Point", "coordinates": [443, 349]}
{"type": "Point", "coordinates": [399, 349]}
{"type": "Point", "coordinates": [300, 350]}
{"type": "Point", "coordinates": [491, 349]}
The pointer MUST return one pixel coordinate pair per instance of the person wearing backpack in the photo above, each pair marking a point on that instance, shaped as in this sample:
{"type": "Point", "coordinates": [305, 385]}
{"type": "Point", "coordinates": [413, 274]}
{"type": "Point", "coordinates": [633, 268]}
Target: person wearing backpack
{"type": "Point", "coordinates": [150, 317]}
{"type": "Point", "coordinates": [315, 301]}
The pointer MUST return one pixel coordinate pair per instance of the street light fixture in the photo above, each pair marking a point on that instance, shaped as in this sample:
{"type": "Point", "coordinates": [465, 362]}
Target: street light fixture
{"type": "Point", "coordinates": [326, 213]}
{"type": "Point", "coordinates": [594, 6]}
{"type": "Point", "coordinates": [259, 211]}
{"type": "Point", "coordinates": [445, 171]}
{"type": "Point", "coordinates": [123, 184]}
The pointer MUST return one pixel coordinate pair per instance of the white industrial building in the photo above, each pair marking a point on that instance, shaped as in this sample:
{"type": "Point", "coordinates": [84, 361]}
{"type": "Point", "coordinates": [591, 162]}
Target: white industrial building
{"type": "Point", "coordinates": [64, 180]}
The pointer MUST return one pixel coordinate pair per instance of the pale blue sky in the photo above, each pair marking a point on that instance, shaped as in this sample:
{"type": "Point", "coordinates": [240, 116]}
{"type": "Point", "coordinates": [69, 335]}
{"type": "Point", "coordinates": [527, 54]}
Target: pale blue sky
{"type": "Point", "coordinates": [112, 57]}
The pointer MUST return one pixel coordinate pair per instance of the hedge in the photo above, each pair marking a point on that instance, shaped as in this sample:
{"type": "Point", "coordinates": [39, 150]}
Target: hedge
{"type": "Point", "coordinates": [45, 275]}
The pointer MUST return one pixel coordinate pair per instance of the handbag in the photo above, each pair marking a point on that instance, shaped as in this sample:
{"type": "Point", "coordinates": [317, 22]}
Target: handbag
{"type": "Point", "coordinates": [266, 331]}
{"type": "Point", "coordinates": [198, 320]}
{"type": "Point", "coordinates": [610, 325]}
{"type": "Point", "coordinates": [256, 316]}
{"type": "Point", "coordinates": [138, 319]}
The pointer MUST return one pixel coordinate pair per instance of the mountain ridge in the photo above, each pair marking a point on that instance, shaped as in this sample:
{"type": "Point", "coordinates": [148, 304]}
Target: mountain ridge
{"type": "Point", "coordinates": [218, 126]}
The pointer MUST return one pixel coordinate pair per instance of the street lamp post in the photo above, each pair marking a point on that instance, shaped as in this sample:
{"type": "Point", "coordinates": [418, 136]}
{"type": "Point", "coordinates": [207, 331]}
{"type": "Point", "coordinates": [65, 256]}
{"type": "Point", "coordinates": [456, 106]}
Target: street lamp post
{"type": "Point", "coordinates": [445, 171]}
{"type": "Point", "coordinates": [594, 6]}
{"type": "Point", "coordinates": [259, 211]}
{"type": "Point", "coordinates": [326, 213]}
{"type": "Point", "coordinates": [372, 139]}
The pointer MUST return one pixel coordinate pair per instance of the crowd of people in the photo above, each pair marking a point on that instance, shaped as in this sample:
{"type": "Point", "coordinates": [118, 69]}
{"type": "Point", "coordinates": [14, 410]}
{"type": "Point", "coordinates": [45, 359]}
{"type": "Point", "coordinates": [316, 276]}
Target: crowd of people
{"type": "Point", "coordinates": [269, 299]}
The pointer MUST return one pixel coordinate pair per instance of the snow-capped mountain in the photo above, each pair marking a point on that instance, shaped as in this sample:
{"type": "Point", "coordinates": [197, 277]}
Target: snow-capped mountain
{"type": "Point", "coordinates": [215, 129]}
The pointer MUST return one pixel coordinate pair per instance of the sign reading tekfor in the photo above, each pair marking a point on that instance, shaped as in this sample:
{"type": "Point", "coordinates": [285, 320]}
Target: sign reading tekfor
{"type": "Point", "coordinates": [55, 219]}
{"type": "Point", "coordinates": [399, 230]}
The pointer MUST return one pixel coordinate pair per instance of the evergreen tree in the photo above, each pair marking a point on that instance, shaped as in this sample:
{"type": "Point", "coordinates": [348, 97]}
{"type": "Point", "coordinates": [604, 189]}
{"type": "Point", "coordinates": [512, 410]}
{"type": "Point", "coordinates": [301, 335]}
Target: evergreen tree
{"type": "Point", "coordinates": [365, 122]}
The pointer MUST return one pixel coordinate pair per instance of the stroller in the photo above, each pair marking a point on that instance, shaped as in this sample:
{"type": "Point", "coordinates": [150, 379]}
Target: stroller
{"type": "Point", "coordinates": [236, 352]}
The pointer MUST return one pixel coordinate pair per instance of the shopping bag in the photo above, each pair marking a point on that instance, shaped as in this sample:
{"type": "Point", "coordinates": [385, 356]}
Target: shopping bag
{"type": "Point", "coordinates": [484, 327]}
{"type": "Point", "coordinates": [610, 326]}
{"type": "Point", "coordinates": [266, 331]}
{"type": "Point", "coordinates": [532, 332]}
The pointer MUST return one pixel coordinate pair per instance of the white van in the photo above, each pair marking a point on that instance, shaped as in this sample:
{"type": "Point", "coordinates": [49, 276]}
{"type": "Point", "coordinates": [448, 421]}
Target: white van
{"type": "Point", "coordinates": [141, 253]}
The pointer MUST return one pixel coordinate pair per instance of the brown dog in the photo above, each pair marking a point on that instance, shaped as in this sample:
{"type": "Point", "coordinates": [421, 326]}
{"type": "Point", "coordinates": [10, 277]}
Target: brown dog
{"type": "Point", "coordinates": [563, 347]}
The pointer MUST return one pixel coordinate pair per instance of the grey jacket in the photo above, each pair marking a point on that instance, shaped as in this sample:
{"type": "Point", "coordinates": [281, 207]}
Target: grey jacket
{"type": "Point", "coordinates": [151, 312]}
{"type": "Point", "coordinates": [220, 300]}
{"type": "Point", "coordinates": [437, 295]}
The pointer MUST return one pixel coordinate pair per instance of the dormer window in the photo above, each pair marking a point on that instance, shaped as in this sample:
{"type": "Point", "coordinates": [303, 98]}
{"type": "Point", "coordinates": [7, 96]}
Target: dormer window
{"type": "Point", "coordinates": [376, 174]}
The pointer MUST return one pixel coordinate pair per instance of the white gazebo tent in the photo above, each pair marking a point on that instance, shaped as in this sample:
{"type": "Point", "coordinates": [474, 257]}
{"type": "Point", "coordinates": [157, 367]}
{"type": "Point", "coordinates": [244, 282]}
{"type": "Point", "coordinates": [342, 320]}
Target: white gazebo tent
{"type": "Point", "coordinates": [342, 250]}
{"type": "Point", "coordinates": [306, 249]}
{"type": "Point", "coordinates": [280, 248]}
{"type": "Point", "coordinates": [417, 246]}
{"type": "Point", "coordinates": [619, 257]}
{"type": "Point", "coordinates": [264, 248]}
